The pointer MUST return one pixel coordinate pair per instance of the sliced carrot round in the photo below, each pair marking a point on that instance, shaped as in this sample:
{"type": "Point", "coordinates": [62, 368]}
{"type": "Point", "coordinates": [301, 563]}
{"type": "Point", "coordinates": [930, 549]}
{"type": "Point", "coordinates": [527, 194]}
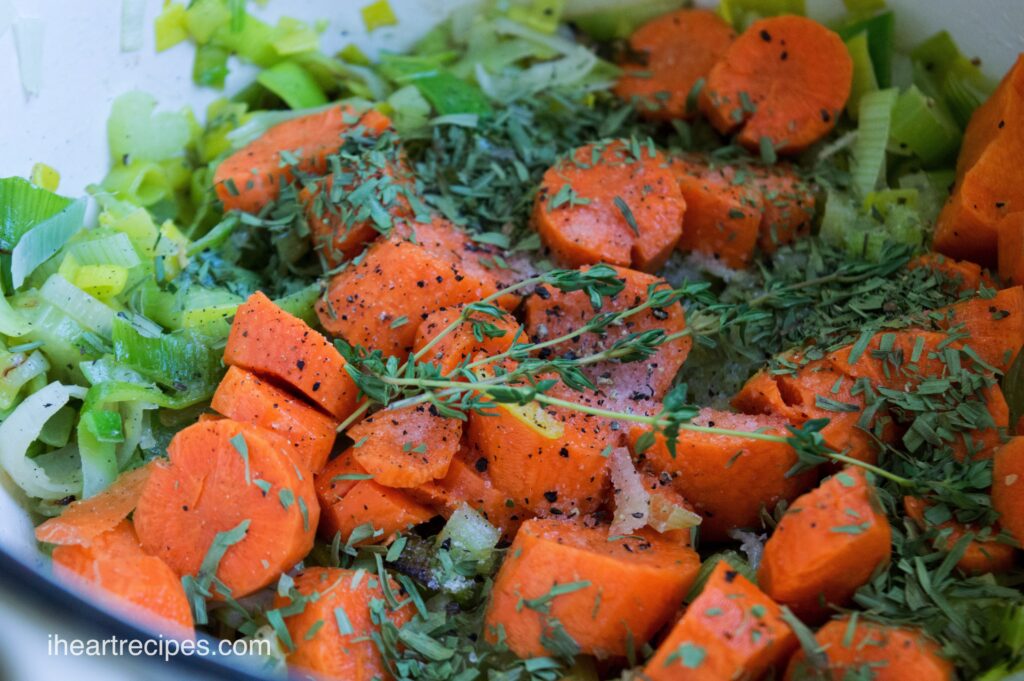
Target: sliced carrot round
{"type": "Point", "coordinates": [114, 568]}
{"type": "Point", "coordinates": [244, 397]}
{"type": "Point", "coordinates": [222, 476]}
{"type": "Point", "coordinates": [406, 447]}
{"type": "Point", "coordinates": [668, 56]}
{"type": "Point", "coordinates": [550, 313]}
{"type": "Point", "coordinates": [333, 632]}
{"type": "Point", "coordinates": [613, 202]}
{"type": "Point", "coordinates": [86, 519]}
{"type": "Point", "coordinates": [785, 80]}
{"type": "Point", "coordinates": [607, 585]}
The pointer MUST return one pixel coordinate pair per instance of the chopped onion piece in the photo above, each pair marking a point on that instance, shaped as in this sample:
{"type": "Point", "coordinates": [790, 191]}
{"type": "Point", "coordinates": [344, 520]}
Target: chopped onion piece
{"type": "Point", "coordinates": [632, 502]}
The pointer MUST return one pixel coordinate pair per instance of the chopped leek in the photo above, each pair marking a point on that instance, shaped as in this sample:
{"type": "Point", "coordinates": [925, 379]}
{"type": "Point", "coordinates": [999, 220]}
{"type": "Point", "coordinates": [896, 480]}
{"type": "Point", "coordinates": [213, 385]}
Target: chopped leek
{"type": "Point", "coordinates": [112, 249]}
{"type": "Point", "coordinates": [741, 13]}
{"type": "Point", "coordinates": [605, 19]}
{"type": "Point", "coordinates": [57, 431]}
{"type": "Point", "coordinates": [872, 139]}
{"type": "Point", "coordinates": [133, 24]}
{"type": "Point", "coordinates": [864, 80]}
{"type": "Point", "coordinates": [880, 34]}
{"type": "Point", "coordinates": [945, 72]}
{"type": "Point", "coordinates": [410, 112]}
{"type": "Point", "coordinates": [76, 303]}
{"type": "Point", "coordinates": [210, 66]}
{"type": "Point", "coordinates": [204, 18]}
{"type": "Point", "coordinates": [922, 126]}
{"type": "Point", "coordinates": [22, 428]}
{"type": "Point", "coordinates": [43, 241]}
{"type": "Point", "coordinates": [141, 182]}
{"type": "Point", "coordinates": [22, 206]}
{"type": "Point", "coordinates": [135, 132]}
{"type": "Point", "coordinates": [170, 28]}
{"type": "Point", "coordinates": [469, 536]}
{"type": "Point", "coordinates": [445, 92]}
{"type": "Point", "coordinates": [378, 14]}
{"type": "Point", "coordinates": [291, 36]}
{"type": "Point", "coordinates": [180, 360]}
{"type": "Point", "coordinates": [540, 15]}
{"type": "Point", "coordinates": [16, 370]}
{"type": "Point", "coordinates": [293, 85]}
{"type": "Point", "coordinates": [45, 177]}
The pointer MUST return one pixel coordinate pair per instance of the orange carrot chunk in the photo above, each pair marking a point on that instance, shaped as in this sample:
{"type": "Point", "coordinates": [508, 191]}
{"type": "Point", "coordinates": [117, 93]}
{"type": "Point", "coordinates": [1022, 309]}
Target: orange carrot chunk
{"type": "Point", "coordinates": [963, 275]}
{"type": "Point", "coordinates": [331, 633]}
{"type": "Point", "coordinates": [546, 459]}
{"type": "Point", "coordinates": [467, 340]}
{"type": "Point", "coordinates": [253, 176]}
{"type": "Point", "coordinates": [222, 476]}
{"type": "Point", "coordinates": [468, 484]}
{"type": "Point", "coordinates": [995, 325]}
{"type": "Point", "coordinates": [1007, 487]}
{"type": "Point", "coordinates": [406, 447]}
{"type": "Point", "coordinates": [667, 57]}
{"type": "Point", "coordinates": [989, 175]}
{"type": "Point", "coordinates": [266, 340]}
{"type": "Point", "coordinates": [887, 652]}
{"type": "Point", "coordinates": [784, 80]}
{"type": "Point", "coordinates": [380, 302]}
{"type": "Point", "coordinates": [114, 568]}
{"type": "Point", "coordinates": [983, 555]}
{"type": "Point", "coordinates": [788, 205]}
{"type": "Point", "coordinates": [242, 396]}
{"type": "Point", "coordinates": [1011, 249]}
{"type": "Point", "coordinates": [723, 219]}
{"type": "Point", "coordinates": [85, 520]}
{"type": "Point", "coordinates": [613, 202]}
{"type": "Point", "coordinates": [826, 546]}
{"type": "Point", "coordinates": [594, 587]}
{"type": "Point", "coordinates": [551, 313]}
{"type": "Point", "coordinates": [728, 479]}
{"type": "Point", "coordinates": [730, 631]}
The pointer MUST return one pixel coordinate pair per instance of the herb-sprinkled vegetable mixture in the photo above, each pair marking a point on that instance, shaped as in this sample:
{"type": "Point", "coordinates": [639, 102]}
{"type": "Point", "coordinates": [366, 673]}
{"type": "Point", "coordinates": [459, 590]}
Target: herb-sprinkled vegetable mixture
{"type": "Point", "coordinates": [583, 341]}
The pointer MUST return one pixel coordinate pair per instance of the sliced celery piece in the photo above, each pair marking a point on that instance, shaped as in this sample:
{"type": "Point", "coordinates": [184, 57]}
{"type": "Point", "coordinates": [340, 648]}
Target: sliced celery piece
{"type": "Point", "coordinates": [922, 125]}
{"type": "Point", "coordinates": [293, 84]}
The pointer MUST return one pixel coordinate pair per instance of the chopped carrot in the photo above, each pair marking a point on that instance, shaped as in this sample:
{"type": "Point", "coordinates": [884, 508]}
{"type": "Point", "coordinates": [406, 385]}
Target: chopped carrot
{"type": "Point", "coordinates": [995, 325]}
{"type": "Point", "coordinates": [731, 630]}
{"type": "Point", "coordinates": [221, 476]}
{"type": "Point", "coordinates": [855, 647]}
{"type": "Point", "coordinates": [86, 519]}
{"type": "Point", "coordinates": [340, 231]}
{"type": "Point", "coordinates": [788, 204]}
{"type": "Point", "coordinates": [1007, 483]}
{"type": "Point", "coordinates": [728, 479]}
{"type": "Point", "coordinates": [331, 624]}
{"type": "Point", "coordinates": [462, 344]}
{"type": "Point", "coordinates": [114, 568]}
{"type": "Point", "coordinates": [244, 397]}
{"type": "Point", "coordinates": [963, 275]}
{"type": "Point", "coordinates": [268, 341]}
{"type": "Point", "coordinates": [668, 56]}
{"type": "Point", "coordinates": [981, 443]}
{"type": "Point", "coordinates": [546, 459]}
{"type": "Point", "coordinates": [253, 176]}
{"type": "Point", "coordinates": [466, 483]}
{"type": "Point", "coordinates": [989, 175]}
{"type": "Point", "coordinates": [595, 588]}
{"type": "Point", "coordinates": [983, 554]}
{"type": "Point", "coordinates": [406, 447]}
{"type": "Point", "coordinates": [826, 546]}
{"type": "Point", "coordinates": [1010, 248]}
{"type": "Point", "coordinates": [613, 202]}
{"type": "Point", "coordinates": [723, 219]}
{"type": "Point", "coordinates": [388, 511]}
{"type": "Point", "coordinates": [785, 80]}
{"type": "Point", "coordinates": [380, 302]}
{"type": "Point", "coordinates": [550, 313]}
